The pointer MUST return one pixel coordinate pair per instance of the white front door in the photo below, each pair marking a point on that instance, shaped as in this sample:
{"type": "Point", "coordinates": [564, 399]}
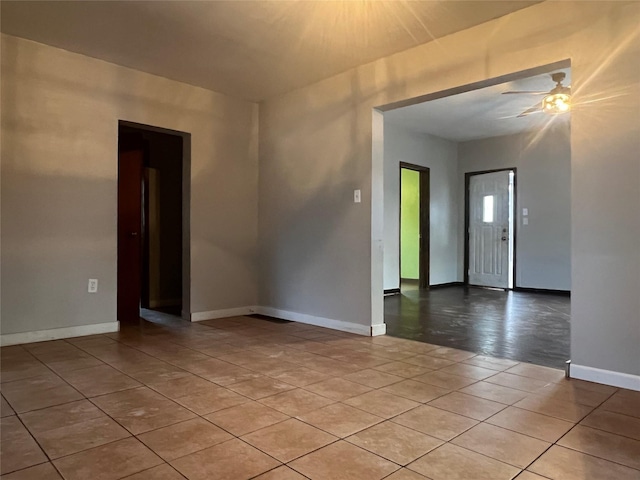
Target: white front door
{"type": "Point", "coordinates": [489, 239]}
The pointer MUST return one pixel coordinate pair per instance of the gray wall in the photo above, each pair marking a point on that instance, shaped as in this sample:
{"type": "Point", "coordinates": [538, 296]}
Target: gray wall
{"type": "Point", "coordinates": [440, 155]}
{"type": "Point", "coordinates": [543, 162]}
{"type": "Point", "coordinates": [60, 115]}
{"type": "Point", "coordinates": [316, 147]}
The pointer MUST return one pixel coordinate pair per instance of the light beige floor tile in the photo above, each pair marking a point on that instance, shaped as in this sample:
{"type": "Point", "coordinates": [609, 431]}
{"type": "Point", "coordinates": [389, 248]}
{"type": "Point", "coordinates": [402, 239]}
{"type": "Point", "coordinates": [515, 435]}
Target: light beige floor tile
{"type": "Point", "coordinates": [381, 403]}
{"type": "Point", "coordinates": [10, 371]}
{"type": "Point", "coordinates": [296, 402]}
{"type": "Point", "coordinates": [395, 442]}
{"type": "Point", "coordinates": [246, 418]}
{"type": "Point", "coordinates": [471, 371]}
{"type": "Point", "coordinates": [161, 472]}
{"type": "Point", "coordinates": [524, 475]}
{"type": "Point", "coordinates": [182, 386]}
{"type": "Point", "coordinates": [435, 422]}
{"type": "Point", "coordinates": [418, 348]}
{"type": "Point", "coordinates": [518, 382]}
{"type": "Point", "coordinates": [289, 439]}
{"type": "Point", "coordinates": [492, 363]}
{"type": "Point", "coordinates": [79, 436]}
{"type": "Point", "coordinates": [559, 463]}
{"type": "Point", "coordinates": [566, 391]}
{"type": "Point", "coordinates": [337, 389]}
{"type": "Point", "coordinates": [260, 387]}
{"type": "Point", "coordinates": [533, 424]}
{"type": "Point", "coordinates": [452, 354]}
{"type": "Point", "coordinates": [217, 398]}
{"type": "Point", "coordinates": [222, 462]}
{"type": "Point", "coordinates": [300, 376]}
{"type": "Point", "coordinates": [108, 462]}
{"type": "Point", "coordinates": [340, 419]}
{"type": "Point", "coordinates": [141, 409]}
{"type": "Point", "coordinates": [157, 373]}
{"type": "Point", "coordinates": [450, 462]}
{"type": "Point", "coordinates": [427, 361]}
{"type": "Point", "coordinates": [272, 366]}
{"type": "Point", "coordinates": [569, 411]}
{"type": "Point", "coordinates": [503, 445]}
{"type": "Point", "coordinates": [183, 438]}
{"type": "Point", "coordinates": [496, 393]}
{"type": "Point", "coordinates": [403, 369]}
{"type": "Point", "coordinates": [281, 473]}
{"type": "Point", "coordinates": [614, 423]}
{"type": "Point", "coordinates": [344, 461]}
{"type": "Point", "coordinates": [467, 405]}
{"type": "Point", "coordinates": [416, 391]}
{"type": "Point", "coordinates": [405, 474]}
{"type": "Point", "coordinates": [445, 380]}
{"type": "Point", "coordinates": [538, 372]}
{"type": "Point", "coordinates": [373, 378]}
{"type": "Point", "coordinates": [5, 408]}
{"type": "Point", "coordinates": [621, 402]}
{"type": "Point", "coordinates": [99, 380]}
{"type": "Point", "coordinates": [18, 449]}
{"type": "Point", "coordinates": [45, 471]}
{"type": "Point", "coordinates": [38, 392]}
{"type": "Point", "coordinates": [74, 364]}
{"type": "Point", "coordinates": [595, 387]}
{"type": "Point", "coordinates": [229, 374]}
{"type": "Point", "coordinates": [608, 446]}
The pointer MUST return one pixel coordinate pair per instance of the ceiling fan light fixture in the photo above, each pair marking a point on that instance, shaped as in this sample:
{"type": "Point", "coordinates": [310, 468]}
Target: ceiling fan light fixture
{"type": "Point", "coordinates": [556, 103]}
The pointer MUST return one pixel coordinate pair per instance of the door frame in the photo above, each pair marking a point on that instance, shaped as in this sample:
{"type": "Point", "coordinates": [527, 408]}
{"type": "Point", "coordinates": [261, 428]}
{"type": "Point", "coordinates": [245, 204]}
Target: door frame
{"type": "Point", "coordinates": [467, 199]}
{"type": "Point", "coordinates": [425, 223]}
{"type": "Point", "coordinates": [186, 207]}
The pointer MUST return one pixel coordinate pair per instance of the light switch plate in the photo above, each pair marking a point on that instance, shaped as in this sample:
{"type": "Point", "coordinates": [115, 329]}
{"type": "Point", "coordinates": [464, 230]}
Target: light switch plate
{"type": "Point", "coordinates": [525, 212]}
{"type": "Point", "coordinates": [357, 196]}
{"type": "Point", "coordinates": [525, 221]}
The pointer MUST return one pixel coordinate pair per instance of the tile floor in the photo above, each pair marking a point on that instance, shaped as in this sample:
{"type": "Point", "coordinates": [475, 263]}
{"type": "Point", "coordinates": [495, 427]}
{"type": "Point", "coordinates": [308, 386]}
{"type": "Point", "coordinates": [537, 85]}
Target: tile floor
{"type": "Point", "coordinates": [245, 398]}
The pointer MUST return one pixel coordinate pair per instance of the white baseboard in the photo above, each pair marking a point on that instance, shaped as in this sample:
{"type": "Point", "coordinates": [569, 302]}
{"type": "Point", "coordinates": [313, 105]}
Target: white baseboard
{"type": "Point", "coordinates": [607, 377]}
{"type": "Point", "coordinates": [229, 312]}
{"type": "Point", "coordinates": [58, 333]}
{"type": "Point", "coordinates": [380, 329]}
{"type": "Point", "coordinates": [317, 321]}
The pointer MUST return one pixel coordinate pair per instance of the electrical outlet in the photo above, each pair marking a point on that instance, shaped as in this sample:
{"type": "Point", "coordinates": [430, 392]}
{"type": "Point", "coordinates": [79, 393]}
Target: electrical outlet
{"type": "Point", "coordinates": [93, 285]}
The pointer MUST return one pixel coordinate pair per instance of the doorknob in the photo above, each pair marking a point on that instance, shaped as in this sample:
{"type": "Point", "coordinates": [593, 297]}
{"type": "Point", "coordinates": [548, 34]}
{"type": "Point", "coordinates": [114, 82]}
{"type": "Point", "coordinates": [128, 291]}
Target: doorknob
{"type": "Point", "coordinates": [504, 239]}
{"type": "Point", "coordinates": [133, 234]}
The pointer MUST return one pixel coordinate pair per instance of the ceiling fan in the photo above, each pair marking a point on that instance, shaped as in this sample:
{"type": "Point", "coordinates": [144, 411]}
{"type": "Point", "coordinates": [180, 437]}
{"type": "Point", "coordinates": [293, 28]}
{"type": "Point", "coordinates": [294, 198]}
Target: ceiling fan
{"type": "Point", "coordinates": [556, 101]}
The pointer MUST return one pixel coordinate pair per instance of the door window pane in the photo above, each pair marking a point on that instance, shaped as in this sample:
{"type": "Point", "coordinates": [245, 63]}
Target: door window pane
{"type": "Point", "coordinates": [487, 209]}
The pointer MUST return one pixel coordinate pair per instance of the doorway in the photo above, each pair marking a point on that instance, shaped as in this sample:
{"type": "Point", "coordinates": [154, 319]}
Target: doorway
{"type": "Point", "coordinates": [490, 198]}
{"type": "Point", "coordinates": [414, 226]}
{"type": "Point", "coordinates": [151, 221]}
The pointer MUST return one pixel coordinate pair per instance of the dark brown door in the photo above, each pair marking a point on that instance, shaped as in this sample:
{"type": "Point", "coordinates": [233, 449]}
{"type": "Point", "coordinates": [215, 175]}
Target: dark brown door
{"type": "Point", "coordinates": [130, 178]}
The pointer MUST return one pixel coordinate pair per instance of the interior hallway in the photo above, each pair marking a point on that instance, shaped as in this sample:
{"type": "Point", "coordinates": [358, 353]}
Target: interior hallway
{"type": "Point", "coordinates": [245, 398]}
{"type": "Point", "coordinates": [526, 327]}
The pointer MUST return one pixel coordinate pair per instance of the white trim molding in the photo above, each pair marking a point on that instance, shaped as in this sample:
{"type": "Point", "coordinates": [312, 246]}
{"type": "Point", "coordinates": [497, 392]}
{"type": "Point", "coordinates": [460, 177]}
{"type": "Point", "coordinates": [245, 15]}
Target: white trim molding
{"type": "Point", "coordinates": [380, 329]}
{"type": "Point", "coordinates": [317, 321]}
{"type": "Point", "coordinates": [58, 333]}
{"type": "Point", "coordinates": [607, 377]}
{"type": "Point", "coordinates": [228, 312]}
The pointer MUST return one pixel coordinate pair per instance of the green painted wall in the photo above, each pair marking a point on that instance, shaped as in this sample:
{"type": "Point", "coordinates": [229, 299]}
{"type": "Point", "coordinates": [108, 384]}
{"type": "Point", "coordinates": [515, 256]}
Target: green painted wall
{"type": "Point", "coordinates": [409, 223]}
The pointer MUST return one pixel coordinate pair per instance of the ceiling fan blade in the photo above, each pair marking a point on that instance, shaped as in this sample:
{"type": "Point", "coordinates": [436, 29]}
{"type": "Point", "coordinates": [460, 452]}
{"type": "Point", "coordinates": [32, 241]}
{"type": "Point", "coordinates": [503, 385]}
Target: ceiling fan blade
{"type": "Point", "coordinates": [529, 111]}
{"type": "Point", "coordinates": [521, 92]}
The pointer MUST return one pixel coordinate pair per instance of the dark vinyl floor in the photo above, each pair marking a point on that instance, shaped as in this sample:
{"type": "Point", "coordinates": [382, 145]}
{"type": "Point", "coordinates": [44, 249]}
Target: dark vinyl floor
{"type": "Point", "coordinates": [527, 327]}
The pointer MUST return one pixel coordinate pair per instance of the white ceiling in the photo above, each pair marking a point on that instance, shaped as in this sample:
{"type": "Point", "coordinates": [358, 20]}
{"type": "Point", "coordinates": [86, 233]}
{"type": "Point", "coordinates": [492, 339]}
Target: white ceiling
{"type": "Point", "coordinates": [248, 49]}
{"type": "Point", "coordinates": [481, 113]}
